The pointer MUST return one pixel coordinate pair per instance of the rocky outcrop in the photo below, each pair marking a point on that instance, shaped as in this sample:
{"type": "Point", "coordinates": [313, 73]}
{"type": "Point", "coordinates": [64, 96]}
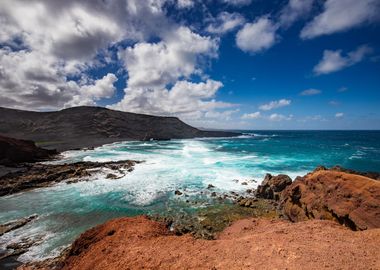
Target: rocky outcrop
{"type": "Point", "coordinates": [272, 186]}
{"type": "Point", "coordinates": [352, 200]}
{"type": "Point", "coordinates": [43, 175]}
{"type": "Point", "coordinates": [140, 243]}
{"type": "Point", "coordinates": [81, 127]}
{"type": "Point", "coordinates": [13, 151]}
{"type": "Point", "coordinates": [372, 175]}
{"type": "Point", "coordinates": [13, 225]}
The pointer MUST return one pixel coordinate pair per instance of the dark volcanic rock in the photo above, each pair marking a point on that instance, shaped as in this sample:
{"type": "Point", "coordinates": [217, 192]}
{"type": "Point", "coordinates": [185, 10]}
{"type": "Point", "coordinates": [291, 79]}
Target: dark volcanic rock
{"type": "Point", "coordinates": [43, 175]}
{"type": "Point", "coordinates": [350, 199]}
{"type": "Point", "coordinates": [13, 225]}
{"type": "Point", "coordinates": [272, 186]}
{"type": "Point", "coordinates": [81, 127]}
{"type": "Point", "coordinates": [13, 151]}
{"type": "Point", "coordinates": [178, 193]}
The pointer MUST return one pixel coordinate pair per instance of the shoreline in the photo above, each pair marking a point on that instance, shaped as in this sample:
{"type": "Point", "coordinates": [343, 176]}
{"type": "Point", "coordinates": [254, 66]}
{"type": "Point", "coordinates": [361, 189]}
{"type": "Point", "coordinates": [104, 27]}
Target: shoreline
{"type": "Point", "coordinates": [263, 205]}
{"type": "Point", "coordinates": [217, 213]}
{"type": "Point", "coordinates": [263, 242]}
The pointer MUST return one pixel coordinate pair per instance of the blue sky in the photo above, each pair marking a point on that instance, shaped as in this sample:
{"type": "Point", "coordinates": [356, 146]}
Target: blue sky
{"type": "Point", "coordinates": [238, 64]}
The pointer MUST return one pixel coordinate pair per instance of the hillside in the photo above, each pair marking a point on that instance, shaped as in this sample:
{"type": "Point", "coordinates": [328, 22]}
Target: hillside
{"type": "Point", "coordinates": [80, 127]}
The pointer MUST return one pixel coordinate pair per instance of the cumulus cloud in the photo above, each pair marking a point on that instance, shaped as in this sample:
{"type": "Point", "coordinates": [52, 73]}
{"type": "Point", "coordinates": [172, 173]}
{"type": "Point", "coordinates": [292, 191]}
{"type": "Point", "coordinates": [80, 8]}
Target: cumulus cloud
{"type": "Point", "coordinates": [280, 117]}
{"type": "Point", "coordinates": [294, 10]}
{"type": "Point", "coordinates": [254, 115]}
{"type": "Point", "coordinates": [339, 115]}
{"type": "Point", "coordinates": [225, 22]}
{"type": "Point", "coordinates": [275, 104]}
{"type": "Point", "coordinates": [333, 61]}
{"type": "Point", "coordinates": [341, 15]}
{"type": "Point", "coordinates": [185, 99]}
{"type": "Point", "coordinates": [30, 80]}
{"type": "Point", "coordinates": [310, 92]}
{"type": "Point", "coordinates": [47, 49]}
{"type": "Point", "coordinates": [154, 65]}
{"type": "Point", "coordinates": [257, 36]}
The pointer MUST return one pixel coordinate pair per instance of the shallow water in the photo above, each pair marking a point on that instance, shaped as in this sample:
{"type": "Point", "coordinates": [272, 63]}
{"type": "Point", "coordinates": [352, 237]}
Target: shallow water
{"type": "Point", "coordinates": [191, 165]}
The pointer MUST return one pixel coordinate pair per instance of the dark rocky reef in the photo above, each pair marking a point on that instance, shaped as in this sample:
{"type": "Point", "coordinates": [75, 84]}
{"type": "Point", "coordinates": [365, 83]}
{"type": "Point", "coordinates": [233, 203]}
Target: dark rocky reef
{"type": "Point", "coordinates": [81, 127]}
{"type": "Point", "coordinates": [13, 151]}
{"type": "Point", "coordinates": [39, 175]}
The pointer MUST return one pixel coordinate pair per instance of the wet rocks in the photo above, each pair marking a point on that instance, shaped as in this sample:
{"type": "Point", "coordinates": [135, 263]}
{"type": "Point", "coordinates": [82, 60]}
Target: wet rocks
{"type": "Point", "coordinates": [15, 249]}
{"type": "Point", "coordinates": [210, 186]}
{"type": "Point", "coordinates": [42, 175]}
{"type": "Point", "coordinates": [13, 225]}
{"type": "Point", "coordinates": [272, 186]}
{"type": "Point", "coordinates": [178, 193]}
{"type": "Point", "coordinates": [350, 199]}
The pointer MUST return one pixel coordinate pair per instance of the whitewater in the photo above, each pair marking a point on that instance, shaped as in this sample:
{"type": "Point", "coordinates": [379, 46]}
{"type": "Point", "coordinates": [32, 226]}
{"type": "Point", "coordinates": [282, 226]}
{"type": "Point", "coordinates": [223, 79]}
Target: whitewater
{"type": "Point", "coordinates": [190, 166]}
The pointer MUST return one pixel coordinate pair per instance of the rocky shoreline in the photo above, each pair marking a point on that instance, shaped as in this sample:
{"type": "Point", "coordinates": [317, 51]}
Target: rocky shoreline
{"type": "Point", "coordinates": [37, 175]}
{"type": "Point", "coordinates": [328, 218]}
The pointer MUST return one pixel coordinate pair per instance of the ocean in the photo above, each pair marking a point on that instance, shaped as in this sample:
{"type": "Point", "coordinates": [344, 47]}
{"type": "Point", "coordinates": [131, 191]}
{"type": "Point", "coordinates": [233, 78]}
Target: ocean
{"type": "Point", "coordinates": [64, 211]}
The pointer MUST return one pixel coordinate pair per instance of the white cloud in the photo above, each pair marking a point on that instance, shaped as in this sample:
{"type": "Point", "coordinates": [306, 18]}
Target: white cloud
{"type": "Point", "coordinates": [185, 3]}
{"type": "Point", "coordinates": [62, 40]}
{"type": "Point", "coordinates": [339, 115]}
{"type": "Point", "coordinates": [88, 94]}
{"type": "Point", "coordinates": [275, 104]}
{"type": "Point", "coordinates": [185, 99]}
{"type": "Point", "coordinates": [31, 80]}
{"type": "Point", "coordinates": [341, 15]}
{"type": "Point", "coordinates": [280, 117]}
{"type": "Point", "coordinates": [46, 43]}
{"type": "Point", "coordinates": [257, 36]}
{"type": "Point", "coordinates": [333, 61]}
{"type": "Point", "coordinates": [224, 115]}
{"type": "Point", "coordinates": [238, 2]}
{"type": "Point", "coordinates": [254, 115]}
{"type": "Point", "coordinates": [294, 10]}
{"type": "Point", "coordinates": [225, 22]}
{"type": "Point", "coordinates": [310, 92]}
{"type": "Point", "coordinates": [154, 65]}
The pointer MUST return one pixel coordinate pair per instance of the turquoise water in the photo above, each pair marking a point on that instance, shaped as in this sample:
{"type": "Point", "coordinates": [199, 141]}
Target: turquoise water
{"type": "Point", "coordinates": [188, 165]}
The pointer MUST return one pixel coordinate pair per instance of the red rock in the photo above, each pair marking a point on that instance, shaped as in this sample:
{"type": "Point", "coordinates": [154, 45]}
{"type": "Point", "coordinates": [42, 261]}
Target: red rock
{"type": "Point", "coordinates": [140, 243]}
{"type": "Point", "coordinates": [350, 199]}
{"type": "Point", "coordinates": [272, 186]}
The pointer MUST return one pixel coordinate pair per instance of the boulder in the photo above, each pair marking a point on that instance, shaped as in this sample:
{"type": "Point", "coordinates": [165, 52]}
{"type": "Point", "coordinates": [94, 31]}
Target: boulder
{"type": "Point", "coordinates": [350, 199]}
{"type": "Point", "coordinates": [272, 186]}
{"type": "Point", "coordinates": [178, 193]}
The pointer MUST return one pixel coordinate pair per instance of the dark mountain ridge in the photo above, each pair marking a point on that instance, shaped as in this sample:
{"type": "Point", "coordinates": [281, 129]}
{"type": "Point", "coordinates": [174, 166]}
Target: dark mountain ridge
{"type": "Point", "coordinates": [80, 127]}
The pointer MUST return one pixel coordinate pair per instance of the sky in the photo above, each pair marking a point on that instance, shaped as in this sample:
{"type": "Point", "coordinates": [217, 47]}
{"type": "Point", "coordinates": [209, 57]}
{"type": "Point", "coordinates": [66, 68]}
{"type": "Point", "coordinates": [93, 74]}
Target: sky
{"type": "Point", "coordinates": [227, 64]}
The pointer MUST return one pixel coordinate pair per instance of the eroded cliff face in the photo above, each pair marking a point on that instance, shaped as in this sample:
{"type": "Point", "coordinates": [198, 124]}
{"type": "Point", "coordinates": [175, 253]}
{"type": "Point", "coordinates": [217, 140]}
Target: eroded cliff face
{"type": "Point", "coordinates": [352, 200]}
